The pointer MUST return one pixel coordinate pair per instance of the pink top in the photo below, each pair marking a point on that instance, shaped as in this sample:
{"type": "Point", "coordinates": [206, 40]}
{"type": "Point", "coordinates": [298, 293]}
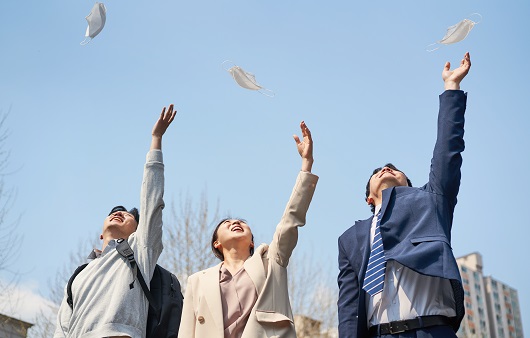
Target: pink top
{"type": "Point", "coordinates": [238, 296]}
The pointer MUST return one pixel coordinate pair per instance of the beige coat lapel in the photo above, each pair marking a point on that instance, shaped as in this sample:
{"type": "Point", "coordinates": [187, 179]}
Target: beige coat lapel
{"type": "Point", "coordinates": [256, 269]}
{"type": "Point", "coordinates": [212, 295]}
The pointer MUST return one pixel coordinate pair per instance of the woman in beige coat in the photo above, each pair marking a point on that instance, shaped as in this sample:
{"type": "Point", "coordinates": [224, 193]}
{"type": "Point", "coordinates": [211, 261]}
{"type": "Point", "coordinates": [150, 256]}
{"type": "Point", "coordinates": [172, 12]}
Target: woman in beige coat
{"type": "Point", "coordinates": [245, 296]}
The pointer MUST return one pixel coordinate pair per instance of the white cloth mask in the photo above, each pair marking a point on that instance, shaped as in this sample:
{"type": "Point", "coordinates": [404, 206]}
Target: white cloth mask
{"type": "Point", "coordinates": [456, 33]}
{"type": "Point", "coordinates": [246, 80]}
{"type": "Point", "coordinates": [96, 21]}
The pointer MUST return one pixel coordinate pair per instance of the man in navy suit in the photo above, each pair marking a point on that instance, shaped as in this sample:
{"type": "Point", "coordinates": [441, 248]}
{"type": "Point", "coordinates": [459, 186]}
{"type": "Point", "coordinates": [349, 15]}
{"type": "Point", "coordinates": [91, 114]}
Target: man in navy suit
{"type": "Point", "coordinates": [419, 293]}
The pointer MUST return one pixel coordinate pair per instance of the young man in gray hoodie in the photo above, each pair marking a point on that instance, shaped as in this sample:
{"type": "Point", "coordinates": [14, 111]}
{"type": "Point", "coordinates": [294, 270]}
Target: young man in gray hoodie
{"type": "Point", "coordinates": [104, 305]}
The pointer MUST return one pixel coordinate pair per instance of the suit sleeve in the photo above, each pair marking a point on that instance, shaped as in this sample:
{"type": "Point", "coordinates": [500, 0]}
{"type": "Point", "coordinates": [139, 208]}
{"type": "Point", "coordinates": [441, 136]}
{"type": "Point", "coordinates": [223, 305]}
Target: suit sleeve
{"type": "Point", "coordinates": [348, 303]}
{"type": "Point", "coordinates": [294, 216]}
{"type": "Point", "coordinates": [188, 320]}
{"type": "Point", "coordinates": [444, 177]}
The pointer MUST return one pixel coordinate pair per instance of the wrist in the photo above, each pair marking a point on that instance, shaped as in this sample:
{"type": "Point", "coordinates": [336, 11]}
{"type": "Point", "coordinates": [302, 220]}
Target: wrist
{"type": "Point", "coordinates": [307, 164]}
{"type": "Point", "coordinates": [452, 85]}
{"type": "Point", "coordinates": [156, 142]}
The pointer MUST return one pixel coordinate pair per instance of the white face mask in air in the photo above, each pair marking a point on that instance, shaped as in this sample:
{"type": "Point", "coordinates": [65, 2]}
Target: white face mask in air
{"type": "Point", "coordinates": [456, 32]}
{"type": "Point", "coordinates": [96, 21]}
{"type": "Point", "coordinates": [246, 80]}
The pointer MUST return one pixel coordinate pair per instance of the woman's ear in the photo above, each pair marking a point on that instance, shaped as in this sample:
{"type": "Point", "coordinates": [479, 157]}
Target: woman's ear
{"type": "Point", "coordinates": [370, 201]}
{"type": "Point", "coordinates": [216, 244]}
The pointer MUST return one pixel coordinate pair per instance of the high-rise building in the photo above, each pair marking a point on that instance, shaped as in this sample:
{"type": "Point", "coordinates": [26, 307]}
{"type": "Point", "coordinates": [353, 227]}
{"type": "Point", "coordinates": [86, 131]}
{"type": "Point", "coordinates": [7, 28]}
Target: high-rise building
{"type": "Point", "coordinates": [503, 310]}
{"type": "Point", "coordinates": [492, 307]}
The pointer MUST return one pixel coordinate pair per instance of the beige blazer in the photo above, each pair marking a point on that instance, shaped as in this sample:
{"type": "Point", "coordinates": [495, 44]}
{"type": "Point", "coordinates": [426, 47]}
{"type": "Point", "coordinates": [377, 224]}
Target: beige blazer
{"type": "Point", "coordinates": [271, 316]}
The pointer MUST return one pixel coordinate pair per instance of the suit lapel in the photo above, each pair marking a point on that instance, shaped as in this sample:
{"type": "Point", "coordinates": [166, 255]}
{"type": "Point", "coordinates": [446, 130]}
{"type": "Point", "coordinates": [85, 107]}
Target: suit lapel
{"type": "Point", "coordinates": [386, 198]}
{"type": "Point", "coordinates": [363, 238]}
{"type": "Point", "coordinates": [212, 294]}
{"type": "Point", "coordinates": [255, 268]}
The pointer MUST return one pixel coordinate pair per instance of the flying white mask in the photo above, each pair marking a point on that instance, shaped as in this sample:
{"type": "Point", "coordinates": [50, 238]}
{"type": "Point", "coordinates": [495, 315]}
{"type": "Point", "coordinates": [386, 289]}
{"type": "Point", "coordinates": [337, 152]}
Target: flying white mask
{"type": "Point", "coordinates": [96, 21]}
{"type": "Point", "coordinates": [246, 80]}
{"type": "Point", "coordinates": [456, 32]}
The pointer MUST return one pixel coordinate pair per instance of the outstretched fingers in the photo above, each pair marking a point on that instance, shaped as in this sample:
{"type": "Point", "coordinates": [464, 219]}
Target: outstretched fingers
{"type": "Point", "coordinates": [166, 117]}
{"type": "Point", "coordinates": [306, 134]}
{"type": "Point", "coordinates": [466, 61]}
{"type": "Point", "coordinates": [305, 131]}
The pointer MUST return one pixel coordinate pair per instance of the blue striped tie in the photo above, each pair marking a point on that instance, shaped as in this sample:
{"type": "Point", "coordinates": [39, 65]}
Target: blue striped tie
{"type": "Point", "coordinates": [375, 271]}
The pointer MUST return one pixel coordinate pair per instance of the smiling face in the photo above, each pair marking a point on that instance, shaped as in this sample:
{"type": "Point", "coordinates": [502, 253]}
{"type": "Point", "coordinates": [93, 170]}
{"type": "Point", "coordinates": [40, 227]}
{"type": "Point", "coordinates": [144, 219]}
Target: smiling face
{"type": "Point", "coordinates": [383, 178]}
{"type": "Point", "coordinates": [120, 223]}
{"type": "Point", "coordinates": [232, 234]}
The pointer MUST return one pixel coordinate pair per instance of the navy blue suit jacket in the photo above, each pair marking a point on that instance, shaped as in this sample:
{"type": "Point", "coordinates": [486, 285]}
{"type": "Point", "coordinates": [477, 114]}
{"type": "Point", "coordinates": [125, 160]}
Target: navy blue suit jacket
{"type": "Point", "coordinates": [415, 226]}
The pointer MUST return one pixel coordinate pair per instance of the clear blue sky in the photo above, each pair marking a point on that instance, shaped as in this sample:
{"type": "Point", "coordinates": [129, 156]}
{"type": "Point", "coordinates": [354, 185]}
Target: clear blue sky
{"type": "Point", "coordinates": [357, 73]}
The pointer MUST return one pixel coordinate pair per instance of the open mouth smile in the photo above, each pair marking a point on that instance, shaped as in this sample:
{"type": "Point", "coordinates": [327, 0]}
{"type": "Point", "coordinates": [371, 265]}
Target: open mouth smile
{"type": "Point", "coordinates": [237, 228]}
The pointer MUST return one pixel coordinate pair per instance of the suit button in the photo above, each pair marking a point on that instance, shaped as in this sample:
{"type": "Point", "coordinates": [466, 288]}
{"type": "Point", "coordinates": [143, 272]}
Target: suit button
{"type": "Point", "coordinates": [201, 319]}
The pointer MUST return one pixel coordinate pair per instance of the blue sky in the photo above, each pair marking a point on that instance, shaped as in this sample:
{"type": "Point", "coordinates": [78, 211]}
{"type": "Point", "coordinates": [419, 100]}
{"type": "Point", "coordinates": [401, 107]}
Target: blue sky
{"type": "Point", "coordinates": [80, 116]}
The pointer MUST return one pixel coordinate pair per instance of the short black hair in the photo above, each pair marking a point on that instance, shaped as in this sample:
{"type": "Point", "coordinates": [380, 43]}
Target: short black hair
{"type": "Point", "coordinates": [376, 170]}
{"type": "Point", "coordinates": [133, 211]}
{"type": "Point", "coordinates": [218, 253]}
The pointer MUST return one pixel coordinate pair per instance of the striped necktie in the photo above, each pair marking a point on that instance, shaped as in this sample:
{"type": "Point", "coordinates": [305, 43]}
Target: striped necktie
{"type": "Point", "coordinates": [375, 271]}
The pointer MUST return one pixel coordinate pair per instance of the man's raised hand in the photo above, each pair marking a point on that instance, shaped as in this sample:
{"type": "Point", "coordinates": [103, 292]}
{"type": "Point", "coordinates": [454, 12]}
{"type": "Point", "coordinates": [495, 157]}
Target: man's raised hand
{"type": "Point", "coordinates": [452, 78]}
{"type": "Point", "coordinates": [161, 125]}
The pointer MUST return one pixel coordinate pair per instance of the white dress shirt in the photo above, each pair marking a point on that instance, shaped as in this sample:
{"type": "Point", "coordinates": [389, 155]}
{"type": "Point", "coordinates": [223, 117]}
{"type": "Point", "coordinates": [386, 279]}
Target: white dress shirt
{"type": "Point", "coordinates": [408, 294]}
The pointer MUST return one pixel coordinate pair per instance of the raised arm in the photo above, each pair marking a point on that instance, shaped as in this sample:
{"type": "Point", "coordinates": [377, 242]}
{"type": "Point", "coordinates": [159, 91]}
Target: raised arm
{"type": "Point", "coordinates": [294, 216]}
{"type": "Point", "coordinates": [149, 231]}
{"type": "Point", "coordinates": [445, 175]}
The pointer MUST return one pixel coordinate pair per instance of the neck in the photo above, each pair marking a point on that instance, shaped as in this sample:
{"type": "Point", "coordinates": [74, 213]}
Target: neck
{"type": "Point", "coordinates": [378, 199]}
{"type": "Point", "coordinates": [234, 259]}
{"type": "Point", "coordinates": [110, 235]}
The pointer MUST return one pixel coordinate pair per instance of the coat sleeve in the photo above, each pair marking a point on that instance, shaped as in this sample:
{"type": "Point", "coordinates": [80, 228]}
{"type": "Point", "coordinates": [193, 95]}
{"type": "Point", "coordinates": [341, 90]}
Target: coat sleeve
{"type": "Point", "coordinates": [294, 216]}
{"type": "Point", "coordinates": [444, 177]}
{"type": "Point", "coordinates": [348, 303]}
{"type": "Point", "coordinates": [188, 320]}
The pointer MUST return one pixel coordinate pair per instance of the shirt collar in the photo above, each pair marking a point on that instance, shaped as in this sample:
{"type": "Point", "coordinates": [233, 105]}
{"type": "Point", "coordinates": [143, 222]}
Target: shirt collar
{"type": "Point", "coordinates": [96, 253]}
{"type": "Point", "coordinates": [377, 209]}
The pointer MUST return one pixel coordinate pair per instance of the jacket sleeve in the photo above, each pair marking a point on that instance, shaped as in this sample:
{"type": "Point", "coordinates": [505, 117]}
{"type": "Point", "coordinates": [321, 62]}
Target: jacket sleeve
{"type": "Point", "coordinates": [294, 216]}
{"type": "Point", "coordinates": [63, 319]}
{"type": "Point", "coordinates": [188, 320]}
{"type": "Point", "coordinates": [444, 177]}
{"type": "Point", "coordinates": [348, 303]}
{"type": "Point", "coordinates": [149, 232]}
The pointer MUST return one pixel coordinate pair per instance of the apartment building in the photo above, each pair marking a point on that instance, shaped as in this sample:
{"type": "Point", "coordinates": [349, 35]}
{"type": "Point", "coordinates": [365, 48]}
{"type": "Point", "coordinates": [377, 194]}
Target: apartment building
{"type": "Point", "coordinates": [492, 307]}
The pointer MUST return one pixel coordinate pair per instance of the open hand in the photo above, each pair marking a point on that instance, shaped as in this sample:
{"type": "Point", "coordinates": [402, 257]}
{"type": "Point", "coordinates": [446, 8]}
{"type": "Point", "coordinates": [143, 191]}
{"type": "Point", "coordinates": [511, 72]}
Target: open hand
{"type": "Point", "coordinates": [452, 78]}
{"type": "Point", "coordinates": [165, 119]}
{"type": "Point", "coordinates": [305, 147]}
